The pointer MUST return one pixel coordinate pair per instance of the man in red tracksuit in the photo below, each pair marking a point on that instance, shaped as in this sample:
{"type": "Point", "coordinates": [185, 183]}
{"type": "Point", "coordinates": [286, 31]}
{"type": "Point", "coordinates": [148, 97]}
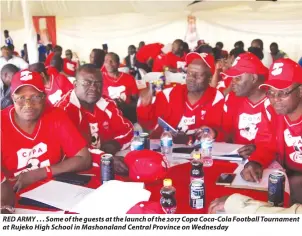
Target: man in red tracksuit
{"type": "Point", "coordinates": [189, 107]}
{"type": "Point", "coordinates": [99, 120]}
{"type": "Point", "coordinates": [279, 135]}
{"type": "Point", "coordinates": [243, 106]}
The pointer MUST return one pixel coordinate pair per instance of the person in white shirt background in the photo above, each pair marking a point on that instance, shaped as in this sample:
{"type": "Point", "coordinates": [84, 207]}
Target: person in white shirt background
{"type": "Point", "coordinates": [9, 58]}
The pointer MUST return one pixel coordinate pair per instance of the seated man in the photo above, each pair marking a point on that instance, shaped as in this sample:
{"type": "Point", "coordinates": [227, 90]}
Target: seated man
{"type": "Point", "coordinates": [120, 86]}
{"type": "Point", "coordinates": [7, 196]}
{"type": "Point", "coordinates": [45, 142]}
{"type": "Point", "coordinates": [172, 61]}
{"type": "Point", "coordinates": [70, 66]}
{"type": "Point", "coordinates": [9, 58]}
{"type": "Point", "coordinates": [57, 51]}
{"type": "Point", "coordinates": [243, 106]}
{"type": "Point", "coordinates": [186, 107]}
{"type": "Point", "coordinates": [221, 81]}
{"type": "Point", "coordinates": [146, 55]}
{"type": "Point", "coordinates": [55, 86]}
{"type": "Point", "coordinates": [240, 204]}
{"type": "Point", "coordinates": [7, 74]}
{"type": "Point", "coordinates": [97, 118]}
{"type": "Point", "coordinates": [279, 134]}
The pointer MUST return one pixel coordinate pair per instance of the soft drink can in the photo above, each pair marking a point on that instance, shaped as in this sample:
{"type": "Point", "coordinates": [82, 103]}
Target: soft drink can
{"type": "Point", "coordinates": [107, 168]}
{"type": "Point", "coordinates": [197, 194]}
{"type": "Point", "coordinates": [276, 184]}
{"type": "Point", "coordinates": [146, 140]}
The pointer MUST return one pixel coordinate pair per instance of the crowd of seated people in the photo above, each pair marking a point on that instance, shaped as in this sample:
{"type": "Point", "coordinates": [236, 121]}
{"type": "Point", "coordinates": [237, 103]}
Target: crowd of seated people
{"type": "Point", "coordinates": [64, 111]}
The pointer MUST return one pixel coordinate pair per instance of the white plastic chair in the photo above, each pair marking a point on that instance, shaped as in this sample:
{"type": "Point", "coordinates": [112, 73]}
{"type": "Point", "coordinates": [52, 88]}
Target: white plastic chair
{"type": "Point", "coordinates": [152, 76]}
{"type": "Point", "coordinates": [124, 70]}
{"type": "Point", "coordinates": [179, 78]}
{"type": "Point", "coordinates": [142, 72]}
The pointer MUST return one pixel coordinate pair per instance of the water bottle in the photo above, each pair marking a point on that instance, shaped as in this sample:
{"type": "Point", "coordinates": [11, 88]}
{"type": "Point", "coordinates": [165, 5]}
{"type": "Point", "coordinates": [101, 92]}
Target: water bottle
{"type": "Point", "coordinates": [138, 128]}
{"type": "Point", "coordinates": [137, 143]}
{"type": "Point", "coordinates": [167, 200]}
{"type": "Point", "coordinates": [206, 148]}
{"type": "Point", "coordinates": [166, 143]}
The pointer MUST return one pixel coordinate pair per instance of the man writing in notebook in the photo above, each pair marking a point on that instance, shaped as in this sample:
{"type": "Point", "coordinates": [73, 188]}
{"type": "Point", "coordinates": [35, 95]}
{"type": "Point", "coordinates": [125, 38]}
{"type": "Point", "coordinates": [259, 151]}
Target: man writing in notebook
{"type": "Point", "coordinates": [279, 134]}
{"type": "Point", "coordinates": [189, 107]}
{"type": "Point", "coordinates": [243, 106]}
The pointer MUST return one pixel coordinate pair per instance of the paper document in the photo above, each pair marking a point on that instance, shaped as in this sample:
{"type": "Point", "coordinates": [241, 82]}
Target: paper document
{"type": "Point", "coordinates": [225, 148]}
{"type": "Point", "coordinates": [239, 182]}
{"type": "Point", "coordinates": [58, 194]}
{"type": "Point", "coordinates": [113, 198]}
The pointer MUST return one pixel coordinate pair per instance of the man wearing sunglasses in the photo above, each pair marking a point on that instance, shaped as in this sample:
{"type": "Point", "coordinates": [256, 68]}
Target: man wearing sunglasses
{"type": "Point", "coordinates": [279, 135]}
{"type": "Point", "coordinates": [98, 119]}
{"type": "Point", "coordinates": [38, 141]}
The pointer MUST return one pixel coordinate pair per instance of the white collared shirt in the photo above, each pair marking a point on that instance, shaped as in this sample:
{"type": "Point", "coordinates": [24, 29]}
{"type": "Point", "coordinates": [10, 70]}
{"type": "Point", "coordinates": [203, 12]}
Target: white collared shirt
{"type": "Point", "coordinates": [17, 61]}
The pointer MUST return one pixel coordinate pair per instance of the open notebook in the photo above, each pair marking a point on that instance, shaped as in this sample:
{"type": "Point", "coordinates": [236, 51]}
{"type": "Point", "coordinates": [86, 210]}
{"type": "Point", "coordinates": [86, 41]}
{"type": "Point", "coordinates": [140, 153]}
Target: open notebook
{"type": "Point", "coordinates": [239, 182]}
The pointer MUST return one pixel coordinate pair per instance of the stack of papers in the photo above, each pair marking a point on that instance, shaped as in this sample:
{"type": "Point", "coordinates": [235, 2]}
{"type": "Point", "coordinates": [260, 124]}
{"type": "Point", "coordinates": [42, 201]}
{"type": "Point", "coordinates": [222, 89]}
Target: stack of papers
{"type": "Point", "coordinates": [113, 198]}
{"type": "Point", "coordinates": [58, 194]}
{"type": "Point", "coordinates": [226, 151]}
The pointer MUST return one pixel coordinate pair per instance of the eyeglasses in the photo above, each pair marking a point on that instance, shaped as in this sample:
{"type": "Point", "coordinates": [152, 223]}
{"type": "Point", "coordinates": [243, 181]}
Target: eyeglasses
{"type": "Point", "coordinates": [281, 94]}
{"type": "Point", "coordinates": [195, 75]}
{"type": "Point", "coordinates": [87, 83]}
{"type": "Point", "coordinates": [21, 101]}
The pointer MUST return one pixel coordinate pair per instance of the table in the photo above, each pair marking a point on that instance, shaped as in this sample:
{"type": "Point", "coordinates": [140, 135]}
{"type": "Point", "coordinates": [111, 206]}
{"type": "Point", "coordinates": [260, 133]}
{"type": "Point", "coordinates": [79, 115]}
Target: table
{"type": "Point", "coordinates": [180, 176]}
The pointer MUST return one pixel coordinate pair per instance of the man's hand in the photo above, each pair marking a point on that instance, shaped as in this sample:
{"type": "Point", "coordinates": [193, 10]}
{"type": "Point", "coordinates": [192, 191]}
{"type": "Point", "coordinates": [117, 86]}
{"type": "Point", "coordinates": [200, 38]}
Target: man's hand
{"type": "Point", "coordinates": [252, 172]}
{"type": "Point", "coordinates": [146, 97]}
{"type": "Point", "coordinates": [246, 150]}
{"type": "Point", "coordinates": [30, 177]}
{"type": "Point", "coordinates": [180, 138]}
{"type": "Point", "coordinates": [217, 205]}
{"type": "Point", "coordinates": [120, 103]}
{"type": "Point", "coordinates": [199, 132]}
{"type": "Point", "coordinates": [111, 147]}
{"type": "Point", "coordinates": [120, 167]}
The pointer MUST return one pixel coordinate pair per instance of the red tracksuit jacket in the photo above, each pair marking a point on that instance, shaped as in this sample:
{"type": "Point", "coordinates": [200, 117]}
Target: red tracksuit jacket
{"type": "Point", "coordinates": [173, 106]}
{"type": "Point", "coordinates": [278, 138]}
{"type": "Point", "coordinates": [104, 124]}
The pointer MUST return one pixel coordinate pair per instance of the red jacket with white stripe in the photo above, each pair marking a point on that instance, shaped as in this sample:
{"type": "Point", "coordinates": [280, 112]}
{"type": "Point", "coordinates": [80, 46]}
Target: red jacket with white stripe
{"type": "Point", "coordinates": [104, 124]}
{"type": "Point", "coordinates": [173, 106]}
{"type": "Point", "coordinates": [278, 138]}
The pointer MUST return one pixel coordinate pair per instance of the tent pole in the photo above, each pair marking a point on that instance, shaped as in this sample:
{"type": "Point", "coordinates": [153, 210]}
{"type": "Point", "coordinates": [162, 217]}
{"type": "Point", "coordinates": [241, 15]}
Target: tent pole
{"type": "Point", "coordinates": [31, 35]}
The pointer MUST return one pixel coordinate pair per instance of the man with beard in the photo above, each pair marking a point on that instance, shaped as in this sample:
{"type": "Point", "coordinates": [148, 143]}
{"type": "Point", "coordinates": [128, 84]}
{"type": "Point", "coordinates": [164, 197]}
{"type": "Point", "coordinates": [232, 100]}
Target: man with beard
{"type": "Point", "coordinates": [189, 107]}
{"type": "Point", "coordinates": [279, 134]}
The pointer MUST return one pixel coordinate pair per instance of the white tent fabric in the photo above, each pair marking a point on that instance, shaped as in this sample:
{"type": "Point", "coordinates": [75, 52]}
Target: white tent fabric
{"type": "Point", "coordinates": [83, 25]}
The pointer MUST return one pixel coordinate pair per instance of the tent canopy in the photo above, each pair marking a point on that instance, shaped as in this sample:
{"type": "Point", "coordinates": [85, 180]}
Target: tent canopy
{"type": "Point", "coordinates": [83, 25]}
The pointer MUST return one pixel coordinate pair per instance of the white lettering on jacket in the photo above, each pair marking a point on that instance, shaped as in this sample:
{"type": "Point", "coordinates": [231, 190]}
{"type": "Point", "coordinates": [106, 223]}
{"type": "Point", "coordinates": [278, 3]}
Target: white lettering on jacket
{"type": "Point", "coordinates": [29, 158]}
{"type": "Point", "coordinates": [248, 125]}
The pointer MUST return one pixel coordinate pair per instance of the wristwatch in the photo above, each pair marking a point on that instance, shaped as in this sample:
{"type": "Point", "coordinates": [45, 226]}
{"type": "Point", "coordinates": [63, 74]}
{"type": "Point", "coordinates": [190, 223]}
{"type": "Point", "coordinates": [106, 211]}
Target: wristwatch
{"type": "Point", "coordinates": [10, 209]}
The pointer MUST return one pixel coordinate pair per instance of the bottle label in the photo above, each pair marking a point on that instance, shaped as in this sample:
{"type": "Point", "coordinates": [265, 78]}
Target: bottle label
{"type": "Point", "coordinates": [166, 142]}
{"type": "Point", "coordinates": [206, 144]}
{"type": "Point", "coordinates": [136, 146]}
{"type": "Point", "coordinates": [169, 210]}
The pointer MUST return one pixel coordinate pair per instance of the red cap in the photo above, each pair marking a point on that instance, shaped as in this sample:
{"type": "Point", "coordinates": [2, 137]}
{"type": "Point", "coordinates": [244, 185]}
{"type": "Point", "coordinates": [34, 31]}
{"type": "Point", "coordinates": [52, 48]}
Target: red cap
{"type": "Point", "coordinates": [283, 73]}
{"type": "Point", "coordinates": [26, 77]}
{"type": "Point", "coordinates": [207, 58]}
{"type": "Point", "coordinates": [146, 208]}
{"type": "Point", "coordinates": [146, 166]}
{"type": "Point", "coordinates": [246, 63]}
